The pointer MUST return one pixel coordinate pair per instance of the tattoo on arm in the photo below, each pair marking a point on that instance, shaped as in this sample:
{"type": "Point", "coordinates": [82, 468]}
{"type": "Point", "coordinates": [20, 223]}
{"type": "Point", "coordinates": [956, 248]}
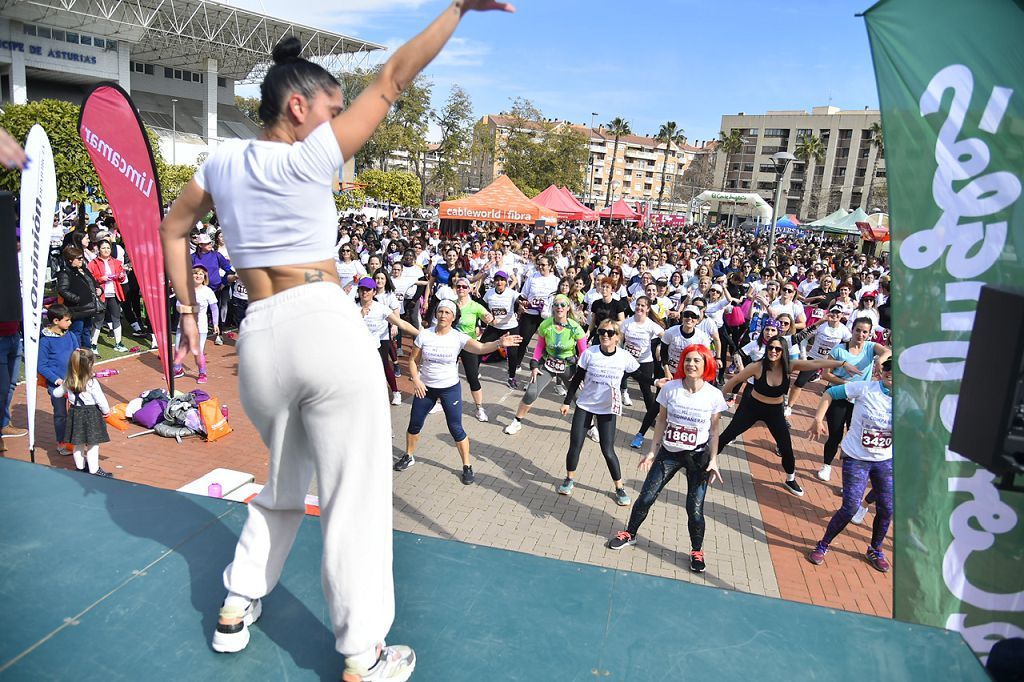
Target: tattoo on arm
{"type": "Point", "coordinates": [313, 276]}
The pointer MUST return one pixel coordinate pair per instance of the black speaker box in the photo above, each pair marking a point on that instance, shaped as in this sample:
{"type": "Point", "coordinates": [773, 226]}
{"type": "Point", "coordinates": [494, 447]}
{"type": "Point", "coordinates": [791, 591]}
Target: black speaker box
{"type": "Point", "coordinates": [10, 286]}
{"type": "Point", "coordinates": [987, 423]}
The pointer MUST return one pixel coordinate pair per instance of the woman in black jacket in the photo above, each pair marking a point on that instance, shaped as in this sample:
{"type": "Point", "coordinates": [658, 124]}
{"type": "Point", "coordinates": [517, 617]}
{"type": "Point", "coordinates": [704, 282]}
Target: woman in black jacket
{"type": "Point", "coordinates": [78, 288]}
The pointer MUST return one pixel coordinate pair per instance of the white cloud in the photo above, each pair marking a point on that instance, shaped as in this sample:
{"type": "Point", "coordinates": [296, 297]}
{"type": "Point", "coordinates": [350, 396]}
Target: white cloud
{"type": "Point", "coordinates": [462, 52]}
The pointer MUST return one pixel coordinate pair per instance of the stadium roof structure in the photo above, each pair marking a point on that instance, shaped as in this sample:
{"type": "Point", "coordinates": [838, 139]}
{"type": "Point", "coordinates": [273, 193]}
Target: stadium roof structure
{"type": "Point", "coordinates": [183, 33]}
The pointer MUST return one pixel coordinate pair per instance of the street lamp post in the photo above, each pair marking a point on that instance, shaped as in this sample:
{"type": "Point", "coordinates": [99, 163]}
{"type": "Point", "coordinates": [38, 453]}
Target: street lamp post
{"type": "Point", "coordinates": [174, 131]}
{"type": "Point", "coordinates": [590, 158]}
{"type": "Point", "coordinates": [780, 160]}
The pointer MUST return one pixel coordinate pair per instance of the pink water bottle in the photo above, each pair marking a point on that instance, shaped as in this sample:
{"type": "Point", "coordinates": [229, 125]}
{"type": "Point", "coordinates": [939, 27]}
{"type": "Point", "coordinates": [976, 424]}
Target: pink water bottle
{"type": "Point", "coordinates": [214, 490]}
{"type": "Point", "coordinates": [104, 373]}
{"type": "Point", "coordinates": [224, 410]}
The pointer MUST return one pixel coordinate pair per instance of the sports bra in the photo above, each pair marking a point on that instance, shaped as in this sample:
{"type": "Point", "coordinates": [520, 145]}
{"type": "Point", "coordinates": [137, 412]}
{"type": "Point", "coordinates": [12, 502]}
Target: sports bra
{"type": "Point", "coordinates": [762, 387]}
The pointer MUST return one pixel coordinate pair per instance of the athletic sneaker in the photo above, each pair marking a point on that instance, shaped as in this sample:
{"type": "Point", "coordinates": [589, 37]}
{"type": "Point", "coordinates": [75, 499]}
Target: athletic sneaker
{"type": "Point", "coordinates": [622, 539]}
{"type": "Point", "coordinates": [396, 398]}
{"type": "Point", "coordinates": [697, 564]}
{"type": "Point", "coordinates": [626, 400]}
{"type": "Point", "coordinates": [859, 515]}
{"type": "Point", "coordinates": [96, 351]}
{"type": "Point", "coordinates": [202, 379]}
{"type": "Point", "coordinates": [395, 664]}
{"type": "Point", "coordinates": [404, 463]}
{"type": "Point", "coordinates": [593, 435]}
{"type": "Point", "coordinates": [794, 487]}
{"type": "Point", "coordinates": [877, 560]}
{"type": "Point", "coordinates": [230, 639]}
{"type": "Point", "coordinates": [136, 328]}
{"type": "Point", "coordinates": [818, 555]}
{"type": "Point", "coordinates": [101, 473]}
{"type": "Point", "coordinates": [467, 474]}
{"type": "Point", "coordinates": [512, 383]}
{"type": "Point", "coordinates": [514, 427]}
{"type": "Point", "coordinates": [120, 348]}
{"type": "Point", "coordinates": [436, 408]}
{"type": "Point", "coordinates": [566, 488]}
{"type": "Point", "coordinates": [825, 472]}
{"type": "Point", "coordinates": [481, 415]}
{"type": "Point", "coordinates": [787, 411]}
{"type": "Point", "coordinates": [179, 372]}
{"type": "Point", "coordinates": [561, 390]}
{"type": "Point", "coordinates": [398, 371]}
{"type": "Point", "coordinates": [621, 498]}
{"type": "Point", "coordinates": [218, 340]}
{"type": "Point", "coordinates": [637, 442]}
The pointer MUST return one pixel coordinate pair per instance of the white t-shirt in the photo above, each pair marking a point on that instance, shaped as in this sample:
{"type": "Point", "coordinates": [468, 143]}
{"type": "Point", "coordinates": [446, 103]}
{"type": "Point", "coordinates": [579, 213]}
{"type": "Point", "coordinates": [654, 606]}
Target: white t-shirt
{"type": "Point", "coordinates": [637, 337]}
{"type": "Point", "coordinates": [600, 392]}
{"type": "Point", "coordinates": [677, 343]}
{"type": "Point", "coordinates": [376, 320]}
{"type": "Point", "coordinates": [347, 272]}
{"type": "Point", "coordinates": [538, 292]}
{"type": "Point", "coordinates": [405, 286]}
{"type": "Point", "coordinates": [239, 291]}
{"type": "Point", "coordinates": [503, 307]}
{"type": "Point", "coordinates": [795, 310]}
{"type": "Point", "coordinates": [204, 299]}
{"type": "Point", "coordinates": [689, 414]}
{"type": "Point", "coordinates": [274, 200]}
{"type": "Point", "coordinates": [870, 435]}
{"type": "Point", "coordinates": [825, 339]}
{"type": "Point", "coordinates": [439, 356]}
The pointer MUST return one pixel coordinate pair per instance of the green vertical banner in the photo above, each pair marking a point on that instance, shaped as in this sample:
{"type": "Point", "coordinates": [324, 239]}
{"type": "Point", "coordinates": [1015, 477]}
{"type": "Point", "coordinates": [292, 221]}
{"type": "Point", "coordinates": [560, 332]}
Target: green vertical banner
{"type": "Point", "coordinates": [951, 88]}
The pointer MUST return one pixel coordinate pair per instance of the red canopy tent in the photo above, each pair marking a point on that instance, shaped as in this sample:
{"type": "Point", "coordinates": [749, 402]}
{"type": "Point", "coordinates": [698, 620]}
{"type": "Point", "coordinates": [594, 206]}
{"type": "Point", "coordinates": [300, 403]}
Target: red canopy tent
{"type": "Point", "coordinates": [588, 213]}
{"type": "Point", "coordinates": [620, 210]}
{"type": "Point", "coordinates": [501, 201]}
{"type": "Point", "coordinates": [554, 199]}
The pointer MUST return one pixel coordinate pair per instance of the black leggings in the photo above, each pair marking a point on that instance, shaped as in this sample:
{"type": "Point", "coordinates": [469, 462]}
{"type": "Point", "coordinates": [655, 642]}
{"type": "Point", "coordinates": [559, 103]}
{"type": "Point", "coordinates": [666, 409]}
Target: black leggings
{"type": "Point", "coordinates": [471, 363]}
{"type": "Point", "coordinates": [667, 464]}
{"type": "Point", "coordinates": [751, 411]}
{"type": "Point", "coordinates": [493, 334]}
{"type": "Point", "coordinates": [527, 328]}
{"type": "Point", "coordinates": [384, 349]}
{"type": "Point", "coordinates": [581, 420]}
{"type": "Point", "coordinates": [837, 418]}
{"type": "Point", "coordinates": [646, 383]}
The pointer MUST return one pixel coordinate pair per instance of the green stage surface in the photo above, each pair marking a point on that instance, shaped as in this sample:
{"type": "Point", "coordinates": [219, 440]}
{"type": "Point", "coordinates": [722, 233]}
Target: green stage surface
{"type": "Point", "coordinates": [106, 580]}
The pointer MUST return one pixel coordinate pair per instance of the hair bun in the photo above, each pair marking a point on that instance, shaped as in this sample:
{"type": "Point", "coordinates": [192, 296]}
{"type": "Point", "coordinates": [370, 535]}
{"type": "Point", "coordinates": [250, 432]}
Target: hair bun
{"type": "Point", "coordinates": [287, 51]}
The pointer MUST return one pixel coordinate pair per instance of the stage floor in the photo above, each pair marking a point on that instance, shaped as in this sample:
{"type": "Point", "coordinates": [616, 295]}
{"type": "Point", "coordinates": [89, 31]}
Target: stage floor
{"type": "Point", "coordinates": [109, 580]}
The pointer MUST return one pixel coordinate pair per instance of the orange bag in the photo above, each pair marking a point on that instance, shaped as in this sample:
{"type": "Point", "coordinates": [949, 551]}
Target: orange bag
{"type": "Point", "coordinates": [117, 422]}
{"type": "Point", "coordinates": [215, 423]}
{"type": "Point", "coordinates": [119, 410]}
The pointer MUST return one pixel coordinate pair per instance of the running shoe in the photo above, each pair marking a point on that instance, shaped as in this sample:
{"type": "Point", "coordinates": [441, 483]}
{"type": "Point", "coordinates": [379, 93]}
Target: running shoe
{"type": "Point", "coordinates": [230, 639]}
{"type": "Point", "coordinates": [395, 664]}
{"type": "Point", "coordinates": [396, 398]}
{"type": "Point", "coordinates": [626, 400]}
{"type": "Point", "coordinates": [561, 390]}
{"type": "Point", "coordinates": [11, 431]}
{"type": "Point", "coordinates": [566, 488]}
{"type": "Point", "coordinates": [593, 435]}
{"type": "Point", "coordinates": [202, 378]}
{"type": "Point", "coordinates": [877, 560]}
{"type": "Point", "coordinates": [825, 472]}
{"type": "Point", "coordinates": [96, 351]}
{"type": "Point", "coordinates": [794, 487]}
{"type": "Point", "coordinates": [621, 498]}
{"type": "Point", "coordinates": [859, 515]}
{"type": "Point", "coordinates": [136, 328]}
{"type": "Point", "coordinates": [622, 539]}
{"type": "Point", "coordinates": [512, 382]}
{"type": "Point", "coordinates": [514, 427]}
{"type": "Point", "coordinates": [404, 463]}
{"type": "Point", "coordinates": [637, 442]}
{"type": "Point", "coordinates": [101, 473]}
{"type": "Point", "coordinates": [120, 348]}
{"type": "Point", "coordinates": [398, 370]}
{"type": "Point", "coordinates": [218, 340]}
{"type": "Point", "coordinates": [697, 564]}
{"type": "Point", "coordinates": [818, 555]}
{"type": "Point", "coordinates": [436, 408]}
{"type": "Point", "coordinates": [787, 411]}
{"type": "Point", "coordinates": [467, 474]}
{"type": "Point", "coordinates": [179, 372]}
{"type": "Point", "coordinates": [481, 415]}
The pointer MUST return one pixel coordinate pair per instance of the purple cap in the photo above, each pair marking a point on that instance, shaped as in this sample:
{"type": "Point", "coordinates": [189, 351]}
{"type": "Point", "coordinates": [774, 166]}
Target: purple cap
{"type": "Point", "coordinates": [367, 283]}
{"type": "Point", "coordinates": [501, 274]}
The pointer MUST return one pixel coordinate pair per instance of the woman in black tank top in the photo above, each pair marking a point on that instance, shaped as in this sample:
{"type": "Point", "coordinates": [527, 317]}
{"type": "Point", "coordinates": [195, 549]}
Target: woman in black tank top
{"type": "Point", "coordinates": [765, 402]}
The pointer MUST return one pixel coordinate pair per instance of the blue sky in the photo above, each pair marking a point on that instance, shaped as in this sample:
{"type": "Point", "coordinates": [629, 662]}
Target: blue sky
{"type": "Point", "coordinates": [679, 60]}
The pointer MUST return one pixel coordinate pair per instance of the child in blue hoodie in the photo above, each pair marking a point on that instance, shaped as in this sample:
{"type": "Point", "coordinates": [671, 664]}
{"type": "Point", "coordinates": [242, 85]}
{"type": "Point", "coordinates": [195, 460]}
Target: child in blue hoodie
{"type": "Point", "coordinates": [55, 349]}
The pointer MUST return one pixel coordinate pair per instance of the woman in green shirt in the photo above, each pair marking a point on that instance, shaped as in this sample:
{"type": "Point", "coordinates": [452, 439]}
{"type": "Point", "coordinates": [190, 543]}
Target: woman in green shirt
{"type": "Point", "coordinates": [560, 340]}
{"type": "Point", "coordinates": [472, 316]}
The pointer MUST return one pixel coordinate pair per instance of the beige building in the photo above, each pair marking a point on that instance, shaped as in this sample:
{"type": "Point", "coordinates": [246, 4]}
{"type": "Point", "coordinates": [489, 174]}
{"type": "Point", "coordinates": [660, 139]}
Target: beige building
{"type": "Point", "coordinates": [851, 160]}
{"type": "Point", "coordinates": [637, 175]}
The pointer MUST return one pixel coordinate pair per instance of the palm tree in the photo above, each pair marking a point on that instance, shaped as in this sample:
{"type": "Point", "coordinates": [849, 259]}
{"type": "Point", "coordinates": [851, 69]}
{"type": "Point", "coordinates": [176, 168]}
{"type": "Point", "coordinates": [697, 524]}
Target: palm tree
{"type": "Point", "coordinates": [730, 144]}
{"type": "Point", "coordinates": [878, 142]}
{"type": "Point", "coordinates": [670, 134]}
{"type": "Point", "coordinates": [618, 127]}
{"type": "Point", "coordinates": [811, 150]}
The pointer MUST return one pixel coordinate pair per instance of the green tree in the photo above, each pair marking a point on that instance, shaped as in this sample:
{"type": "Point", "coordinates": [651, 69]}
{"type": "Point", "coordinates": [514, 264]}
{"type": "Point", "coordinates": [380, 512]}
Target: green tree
{"type": "Point", "coordinates": [537, 152]}
{"type": "Point", "coordinates": [566, 150]}
{"type": "Point", "coordinates": [811, 150]}
{"type": "Point", "coordinates": [400, 188]}
{"type": "Point", "coordinates": [670, 134]}
{"type": "Point", "coordinates": [456, 122]}
{"type": "Point", "coordinates": [618, 127]}
{"type": "Point", "coordinates": [878, 142]}
{"type": "Point", "coordinates": [250, 106]}
{"type": "Point", "coordinates": [481, 153]}
{"type": "Point", "coordinates": [729, 144]}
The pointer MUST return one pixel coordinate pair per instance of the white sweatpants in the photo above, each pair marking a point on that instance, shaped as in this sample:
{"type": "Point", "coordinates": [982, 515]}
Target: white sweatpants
{"type": "Point", "coordinates": [312, 383]}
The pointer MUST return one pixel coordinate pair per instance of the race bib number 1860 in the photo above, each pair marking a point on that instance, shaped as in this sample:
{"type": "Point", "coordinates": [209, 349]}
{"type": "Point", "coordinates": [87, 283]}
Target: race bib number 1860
{"type": "Point", "coordinates": [677, 434]}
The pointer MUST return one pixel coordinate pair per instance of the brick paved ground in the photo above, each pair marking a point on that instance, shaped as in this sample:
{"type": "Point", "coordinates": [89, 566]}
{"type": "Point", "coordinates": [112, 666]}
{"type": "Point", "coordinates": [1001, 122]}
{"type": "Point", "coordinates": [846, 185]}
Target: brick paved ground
{"type": "Point", "coordinates": [757, 534]}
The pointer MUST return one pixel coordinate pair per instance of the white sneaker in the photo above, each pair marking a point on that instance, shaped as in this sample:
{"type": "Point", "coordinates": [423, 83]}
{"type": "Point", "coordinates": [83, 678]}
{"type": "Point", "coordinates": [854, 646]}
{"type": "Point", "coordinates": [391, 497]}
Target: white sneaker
{"type": "Point", "coordinates": [626, 400]}
{"type": "Point", "coordinates": [514, 427]}
{"type": "Point", "coordinates": [788, 412]}
{"type": "Point", "coordinates": [396, 664]}
{"type": "Point", "coordinates": [481, 415]}
{"type": "Point", "coordinates": [396, 398]}
{"type": "Point", "coordinates": [593, 435]}
{"type": "Point", "coordinates": [230, 639]}
{"type": "Point", "coordinates": [859, 516]}
{"type": "Point", "coordinates": [561, 390]}
{"type": "Point", "coordinates": [436, 408]}
{"type": "Point", "coordinates": [825, 472]}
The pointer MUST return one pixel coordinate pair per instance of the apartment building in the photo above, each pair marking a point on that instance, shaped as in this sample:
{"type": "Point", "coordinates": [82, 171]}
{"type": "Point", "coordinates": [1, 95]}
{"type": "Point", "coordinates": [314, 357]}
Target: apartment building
{"type": "Point", "coordinates": [810, 190]}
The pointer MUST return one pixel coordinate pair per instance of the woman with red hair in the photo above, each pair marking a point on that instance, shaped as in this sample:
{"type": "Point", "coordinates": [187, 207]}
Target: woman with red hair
{"type": "Point", "coordinates": [685, 437]}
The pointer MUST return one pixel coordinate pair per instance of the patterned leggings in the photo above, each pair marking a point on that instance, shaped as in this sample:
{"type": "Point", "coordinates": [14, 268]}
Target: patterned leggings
{"type": "Point", "coordinates": [856, 474]}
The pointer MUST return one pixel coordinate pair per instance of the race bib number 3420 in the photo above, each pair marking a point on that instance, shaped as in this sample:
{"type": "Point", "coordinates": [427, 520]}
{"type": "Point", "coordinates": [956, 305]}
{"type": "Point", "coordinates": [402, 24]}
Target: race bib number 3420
{"type": "Point", "coordinates": [876, 440]}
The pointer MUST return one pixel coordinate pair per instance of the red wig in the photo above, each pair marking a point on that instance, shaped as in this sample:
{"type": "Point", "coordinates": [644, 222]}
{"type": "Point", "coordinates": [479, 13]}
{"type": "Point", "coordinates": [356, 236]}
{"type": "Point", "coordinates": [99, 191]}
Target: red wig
{"type": "Point", "coordinates": [710, 365]}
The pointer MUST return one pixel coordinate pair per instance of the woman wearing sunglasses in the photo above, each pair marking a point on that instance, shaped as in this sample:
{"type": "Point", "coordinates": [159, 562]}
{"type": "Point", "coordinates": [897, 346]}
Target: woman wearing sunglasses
{"type": "Point", "coordinates": [350, 270]}
{"type": "Point", "coordinates": [867, 456]}
{"type": "Point", "coordinates": [597, 377]}
{"type": "Point", "coordinates": [560, 342]}
{"type": "Point", "coordinates": [763, 401]}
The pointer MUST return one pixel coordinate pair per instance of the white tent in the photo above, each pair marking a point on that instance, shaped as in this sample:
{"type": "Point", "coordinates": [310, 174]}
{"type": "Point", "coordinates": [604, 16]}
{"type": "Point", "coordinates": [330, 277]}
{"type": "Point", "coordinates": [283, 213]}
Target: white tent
{"type": "Point", "coordinates": [755, 201]}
